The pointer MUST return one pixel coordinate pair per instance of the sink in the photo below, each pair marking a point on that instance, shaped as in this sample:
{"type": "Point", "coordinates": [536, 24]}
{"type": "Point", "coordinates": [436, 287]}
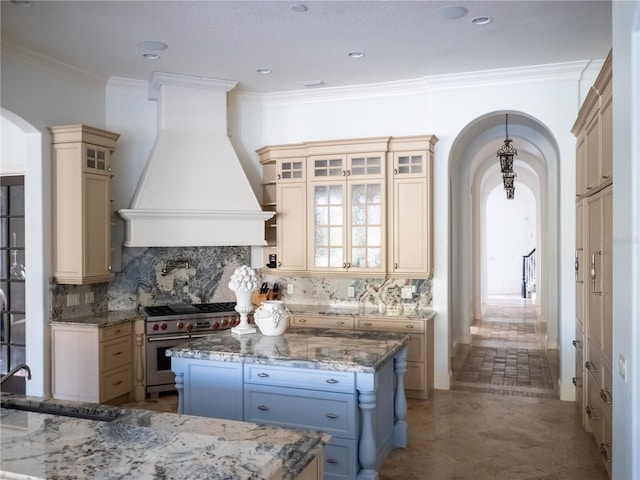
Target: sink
{"type": "Point", "coordinates": [61, 413]}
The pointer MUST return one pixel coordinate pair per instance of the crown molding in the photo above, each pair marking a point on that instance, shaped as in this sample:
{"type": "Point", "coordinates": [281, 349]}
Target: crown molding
{"type": "Point", "coordinates": [127, 87]}
{"type": "Point", "coordinates": [59, 68]}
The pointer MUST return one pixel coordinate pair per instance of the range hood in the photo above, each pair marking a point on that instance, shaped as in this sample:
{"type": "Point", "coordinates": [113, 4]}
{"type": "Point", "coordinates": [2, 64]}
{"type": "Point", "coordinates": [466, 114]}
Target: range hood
{"type": "Point", "coordinates": [193, 190]}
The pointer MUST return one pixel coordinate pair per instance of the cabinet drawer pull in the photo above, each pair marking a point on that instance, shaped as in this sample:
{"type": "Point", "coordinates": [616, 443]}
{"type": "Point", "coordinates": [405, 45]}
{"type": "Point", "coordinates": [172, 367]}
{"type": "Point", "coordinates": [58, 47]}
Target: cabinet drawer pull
{"type": "Point", "coordinates": [591, 367]}
{"type": "Point", "coordinates": [332, 415]}
{"type": "Point", "coordinates": [591, 413]}
{"type": "Point", "coordinates": [605, 395]}
{"type": "Point", "coordinates": [395, 265]}
{"type": "Point", "coordinates": [278, 177]}
{"type": "Point", "coordinates": [263, 375]}
{"type": "Point", "coordinates": [367, 324]}
{"type": "Point", "coordinates": [604, 451]}
{"type": "Point", "coordinates": [332, 460]}
{"type": "Point", "coordinates": [408, 326]}
{"type": "Point", "coordinates": [117, 331]}
{"type": "Point", "coordinates": [575, 382]}
{"type": "Point", "coordinates": [395, 171]}
{"type": "Point", "coordinates": [116, 354]}
{"type": "Point", "coordinates": [302, 320]}
{"type": "Point", "coordinates": [332, 380]}
{"type": "Point", "coordinates": [577, 344]}
{"type": "Point", "coordinates": [340, 323]}
{"type": "Point", "coordinates": [594, 273]}
{"type": "Point", "coordinates": [117, 383]}
{"type": "Point", "coordinates": [264, 408]}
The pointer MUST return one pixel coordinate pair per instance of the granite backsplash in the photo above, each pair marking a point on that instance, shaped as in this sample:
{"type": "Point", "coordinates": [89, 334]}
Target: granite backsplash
{"type": "Point", "coordinates": [143, 282]}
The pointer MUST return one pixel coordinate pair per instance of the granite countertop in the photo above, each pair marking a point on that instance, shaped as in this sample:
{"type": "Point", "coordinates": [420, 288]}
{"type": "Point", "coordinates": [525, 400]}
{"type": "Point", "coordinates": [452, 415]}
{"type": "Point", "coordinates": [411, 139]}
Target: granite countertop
{"type": "Point", "coordinates": [143, 444]}
{"type": "Point", "coordinates": [317, 348]}
{"type": "Point", "coordinates": [101, 319]}
{"type": "Point", "coordinates": [356, 311]}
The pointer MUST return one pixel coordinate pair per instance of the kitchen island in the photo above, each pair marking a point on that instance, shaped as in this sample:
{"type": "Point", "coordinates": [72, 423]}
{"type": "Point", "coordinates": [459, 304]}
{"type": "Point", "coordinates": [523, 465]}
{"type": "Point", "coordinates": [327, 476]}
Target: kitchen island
{"type": "Point", "coordinates": [346, 383]}
{"type": "Point", "coordinates": [47, 438]}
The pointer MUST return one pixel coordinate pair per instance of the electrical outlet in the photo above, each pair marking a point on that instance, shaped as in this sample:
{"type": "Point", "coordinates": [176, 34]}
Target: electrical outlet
{"type": "Point", "coordinates": [88, 298]}
{"type": "Point", "coordinates": [289, 288]}
{"type": "Point", "coordinates": [352, 292]}
{"type": "Point", "coordinates": [73, 299]}
{"type": "Point", "coordinates": [407, 292]}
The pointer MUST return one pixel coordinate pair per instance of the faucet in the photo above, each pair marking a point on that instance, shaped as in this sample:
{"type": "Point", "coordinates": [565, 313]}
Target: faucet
{"type": "Point", "coordinates": [11, 373]}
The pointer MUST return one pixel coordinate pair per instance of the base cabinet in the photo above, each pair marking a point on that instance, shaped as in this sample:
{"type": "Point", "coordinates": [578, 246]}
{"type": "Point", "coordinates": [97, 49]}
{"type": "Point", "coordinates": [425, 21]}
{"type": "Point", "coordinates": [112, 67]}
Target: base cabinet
{"type": "Point", "coordinates": [418, 380]}
{"type": "Point", "coordinates": [91, 364]}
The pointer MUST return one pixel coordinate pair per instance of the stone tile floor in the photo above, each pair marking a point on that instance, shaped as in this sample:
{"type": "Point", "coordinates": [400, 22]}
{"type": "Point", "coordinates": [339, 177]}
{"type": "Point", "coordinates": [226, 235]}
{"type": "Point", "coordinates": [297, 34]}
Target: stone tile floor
{"type": "Point", "coordinates": [504, 425]}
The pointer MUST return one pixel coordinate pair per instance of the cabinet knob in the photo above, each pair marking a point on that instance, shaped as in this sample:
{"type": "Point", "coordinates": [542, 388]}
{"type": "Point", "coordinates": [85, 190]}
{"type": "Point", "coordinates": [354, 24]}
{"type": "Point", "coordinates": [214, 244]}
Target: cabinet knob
{"type": "Point", "coordinates": [108, 169]}
{"type": "Point", "coordinates": [606, 177]}
{"type": "Point", "coordinates": [395, 171]}
{"type": "Point", "coordinates": [344, 173]}
{"type": "Point", "coordinates": [604, 451]}
{"type": "Point", "coordinates": [605, 395]}
{"type": "Point", "coordinates": [591, 413]}
{"type": "Point", "coordinates": [278, 177]}
{"type": "Point", "coordinates": [332, 381]}
{"type": "Point", "coordinates": [263, 375]}
{"type": "Point", "coordinates": [576, 343]}
{"type": "Point", "coordinates": [279, 264]}
{"type": "Point", "coordinates": [395, 265]}
{"type": "Point", "coordinates": [574, 380]}
{"type": "Point", "coordinates": [591, 367]}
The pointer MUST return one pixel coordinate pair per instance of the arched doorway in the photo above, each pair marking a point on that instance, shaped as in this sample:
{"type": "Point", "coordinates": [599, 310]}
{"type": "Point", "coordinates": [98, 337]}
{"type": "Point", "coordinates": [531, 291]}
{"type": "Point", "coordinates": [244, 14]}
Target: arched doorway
{"type": "Point", "coordinates": [473, 163]}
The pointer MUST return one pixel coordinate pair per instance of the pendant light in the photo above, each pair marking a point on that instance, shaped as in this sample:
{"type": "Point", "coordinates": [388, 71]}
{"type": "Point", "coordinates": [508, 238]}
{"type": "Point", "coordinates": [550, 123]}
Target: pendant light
{"type": "Point", "coordinates": [506, 153]}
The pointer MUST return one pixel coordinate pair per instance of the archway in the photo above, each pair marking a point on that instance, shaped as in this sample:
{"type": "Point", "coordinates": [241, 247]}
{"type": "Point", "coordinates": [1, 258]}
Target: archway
{"type": "Point", "coordinates": [472, 161]}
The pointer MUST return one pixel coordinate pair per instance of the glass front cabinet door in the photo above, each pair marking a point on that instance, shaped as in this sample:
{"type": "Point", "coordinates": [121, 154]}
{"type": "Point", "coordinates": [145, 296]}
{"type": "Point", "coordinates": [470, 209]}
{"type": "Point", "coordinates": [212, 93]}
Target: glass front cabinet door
{"type": "Point", "coordinates": [347, 194]}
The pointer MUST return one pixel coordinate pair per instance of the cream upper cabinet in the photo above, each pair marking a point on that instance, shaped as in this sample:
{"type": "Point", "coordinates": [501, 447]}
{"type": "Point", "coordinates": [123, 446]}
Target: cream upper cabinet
{"type": "Point", "coordinates": [82, 203]}
{"type": "Point", "coordinates": [354, 206]}
{"type": "Point", "coordinates": [285, 192]}
{"type": "Point", "coordinates": [593, 131]}
{"type": "Point", "coordinates": [347, 204]}
{"type": "Point", "coordinates": [411, 207]}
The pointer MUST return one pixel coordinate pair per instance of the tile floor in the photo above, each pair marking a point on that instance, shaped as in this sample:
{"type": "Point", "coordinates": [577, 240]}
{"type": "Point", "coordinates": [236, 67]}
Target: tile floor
{"type": "Point", "coordinates": [502, 420]}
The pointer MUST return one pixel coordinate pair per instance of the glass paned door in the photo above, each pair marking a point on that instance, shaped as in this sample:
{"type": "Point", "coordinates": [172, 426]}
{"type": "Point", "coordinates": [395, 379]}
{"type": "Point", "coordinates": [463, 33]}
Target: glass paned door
{"type": "Point", "coordinates": [12, 281]}
{"type": "Point", "coordinates": [366, 203]}
{"type": "Point", "coordinates": [328, 208]}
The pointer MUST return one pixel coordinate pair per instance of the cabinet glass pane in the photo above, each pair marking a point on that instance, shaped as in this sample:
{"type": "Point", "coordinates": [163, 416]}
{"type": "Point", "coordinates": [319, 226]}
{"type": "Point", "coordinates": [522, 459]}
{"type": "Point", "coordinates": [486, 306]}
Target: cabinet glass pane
{"type": "Point", "coordinates": [16, 199]}
{"type": "Point", "coordinates": [358, 257]}
{"type": "Point", "coordinates": [335, 236]}
{"type": "Point", "coordinates": [373, 193]}
{"type": "Point", "coordinates": [374, 236]}
{"type": "Point", "coordinates": [4, 227]}
{"type": "Point", "coordinates": [16, 290]}
{"type": "Point", "coordinates": [322, 257]}
{"type": "Point", "coordinates": [16, 227]}
{"type": "Point", "coordinates": [358, 236]}
{"type": "Point", "coordinates": [321, 195]}
{"type": "Point", "coordinates": [335, 215]}
{"type": "Point", "coordinates": [335, 258]}
{"type": "Point", "coordinates": [17, 328]}
{"type": "Point", "coordinates": [4, 200]}
{"type": "Point", "coordinates": [374, 214]}
{"type": "Point", "coordinates": [322, 216]}
{"type": "Point", "coordinates": [358, 216]}
{"type": "Point", "coordinates": [374, 257]}
{"type": "Point", "coordinates": [335, 195]}
{"type": "Point", "coordinates": [4, 359]}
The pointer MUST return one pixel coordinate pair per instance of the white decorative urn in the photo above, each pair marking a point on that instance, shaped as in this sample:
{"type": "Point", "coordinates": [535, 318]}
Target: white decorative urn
{"type": "Point", "coordinates": [243, 283]}
{"type": "Point", "coordinates": [271, 317]}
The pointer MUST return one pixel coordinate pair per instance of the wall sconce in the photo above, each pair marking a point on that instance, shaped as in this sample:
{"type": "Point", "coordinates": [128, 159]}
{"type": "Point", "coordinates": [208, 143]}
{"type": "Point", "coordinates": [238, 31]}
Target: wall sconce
{"type": "Point", "coordinates": [506, 153]}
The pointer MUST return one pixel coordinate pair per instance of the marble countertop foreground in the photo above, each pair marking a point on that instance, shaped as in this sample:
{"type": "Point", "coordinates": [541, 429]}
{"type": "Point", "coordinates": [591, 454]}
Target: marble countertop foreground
{"type": "Point", "coordinates": [317, 348]}
{"type": "Point", "coordinates": [355, 311]}
{"type": "Point", "coordinates": [144, 444]}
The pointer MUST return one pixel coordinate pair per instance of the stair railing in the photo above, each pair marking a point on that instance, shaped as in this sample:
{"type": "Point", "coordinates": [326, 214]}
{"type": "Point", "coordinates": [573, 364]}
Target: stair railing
{"type": "Point", "coordinates": [528, 270]}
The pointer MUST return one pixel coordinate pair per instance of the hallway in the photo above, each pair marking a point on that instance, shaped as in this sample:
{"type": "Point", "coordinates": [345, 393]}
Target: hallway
{"type": "Point", "coordinates": [502, 419]}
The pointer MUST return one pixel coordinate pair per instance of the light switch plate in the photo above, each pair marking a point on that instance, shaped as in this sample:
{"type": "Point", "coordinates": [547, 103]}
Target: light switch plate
{"type": "Point", "coordinates": [88, 298]}
{"type": "Point", "coordinates": [622, 363]}
{"type": "Point", "coordinates": [289, 288]}
{"type": "Point", "coordinates": [351, 292]}
{"type": "Point", "coordinates": [407, 292]}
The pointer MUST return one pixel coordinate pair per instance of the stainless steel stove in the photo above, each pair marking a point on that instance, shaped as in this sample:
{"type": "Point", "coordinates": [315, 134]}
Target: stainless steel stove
{"type": "Point", "coordinates": [170, 325]}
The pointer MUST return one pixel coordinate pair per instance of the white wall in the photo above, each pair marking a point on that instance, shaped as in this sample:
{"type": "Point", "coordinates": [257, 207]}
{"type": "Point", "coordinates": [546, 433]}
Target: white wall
{"type": "Point", "coordinates": [626, 239]}
{"type": "Point", "coordinates": [36, 95]}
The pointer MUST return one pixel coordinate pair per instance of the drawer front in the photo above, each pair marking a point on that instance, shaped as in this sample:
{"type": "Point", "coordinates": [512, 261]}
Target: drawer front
{"type": "Point", "coordinates": [115, 384]}
{"type": "Point", "coordinates": [115, 331]}
{"type": "Point", "coordinates": [403, 326]}
{"type": "Point", "coordinates": [322, 322]}
{"type": "Point", "coordinates": [342, 382]}
{"type": "Point", "coordinates": [414, 379]}
{"type": "Point", "coordinates": [334, 413]}
{"type": "Point", "coordinates": [115, 353]}
{"type": "Point", "coordinates": [340, 459]}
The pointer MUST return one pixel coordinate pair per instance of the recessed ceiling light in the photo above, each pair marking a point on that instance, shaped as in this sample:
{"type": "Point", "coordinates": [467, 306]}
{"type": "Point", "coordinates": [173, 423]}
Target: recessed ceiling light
{"type": "Point", "coordinates": [312, 83]}
{"type": "Point", "coordinates": [151, 56]}
{"type": "Point", "coordinates": [298, 7]}
{"type": "Point", "coordinates": [450, 12]}
{"type": "Point", "coordinates": [153, 45]}
{"type": "Point", "coordinates": [355, 54]}
{"type": "Point", "coordinates": [263, 71]}
{"type": "Point", "coordinates": [481, 20]}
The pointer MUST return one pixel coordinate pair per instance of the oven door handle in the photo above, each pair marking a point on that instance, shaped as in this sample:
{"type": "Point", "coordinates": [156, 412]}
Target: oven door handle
{"type": "Point", "coordinates": [178, 337]}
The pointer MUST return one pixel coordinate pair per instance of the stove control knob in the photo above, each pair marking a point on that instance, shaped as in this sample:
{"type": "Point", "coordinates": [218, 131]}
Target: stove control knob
{"type": "Point", "coordinates": [224, 322]}
{"type": "Point", "coordinates": [163, 326]}
{"type": "Point", "coordinates": [215, 325]}
{"type": "Point", "coordinates": [155, 326]}
{"type": "Point", "coordinates": [180, 325]}
{"type": "Point", "coordinates": [189, 327]}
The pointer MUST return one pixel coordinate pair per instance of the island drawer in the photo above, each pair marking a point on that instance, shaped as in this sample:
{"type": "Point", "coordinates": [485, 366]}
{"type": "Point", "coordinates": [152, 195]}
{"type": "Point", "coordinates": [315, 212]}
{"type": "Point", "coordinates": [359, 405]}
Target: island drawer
{"type": "Point", "coordinates": [328, 381]}
{"type": "Point", "coordinates": [322, 321]}
{"type": "Point", "coordinates": [296, 408]}
{"type": "Point", "coordinates": [340, 456]}
{"type": "Point", "coordinates": [115, 353]}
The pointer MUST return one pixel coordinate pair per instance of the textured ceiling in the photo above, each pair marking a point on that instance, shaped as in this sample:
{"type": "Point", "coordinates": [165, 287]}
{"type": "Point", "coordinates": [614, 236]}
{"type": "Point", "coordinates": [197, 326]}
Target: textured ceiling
{"type": "Point", "coordinates": [401, 40]}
